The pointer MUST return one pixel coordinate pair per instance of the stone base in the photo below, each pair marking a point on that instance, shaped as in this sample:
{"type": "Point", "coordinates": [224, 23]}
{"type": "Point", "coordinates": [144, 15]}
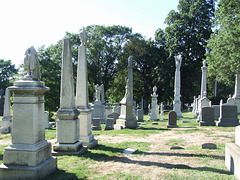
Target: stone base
{"type": "Point", "coordinates": [172, 126]}
{"type": "Point", "coordinates": [68, 149]}
{"type": "Point", "coordinates": [205, 123]}
{"type": "Point", "coordinates": [11, 172]}
{"type": "Point", "coordinates": [132, 124]}
{"type": "Point", "coordinates": [228, 122]}
{"type": "Point", "coordinates": [232, 158]}
{"type": "Point", "coordinates": [89, 141]}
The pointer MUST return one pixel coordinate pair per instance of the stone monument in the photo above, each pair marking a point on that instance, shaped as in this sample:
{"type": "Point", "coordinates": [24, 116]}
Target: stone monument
{"type": "Point", "coordinates": [204, 79]}
{"type": "Point", "coordinates": [177, 86]}
{"type": "Point", "coordinates": [203, 102]}
{"type": "Point", "coordinates": [99, 108]}
{"type": "Point", "coordinates": [153, 114]}
{"type": "Point", "coordinates": [82, 99]}
{"type": "Point", "coordinates": [68, 142]}
{"type": "Point", "coordinates": [228, 115]}
{"type": "Point", "coordinates": [126, 118]}
{"type": "Point", "coordinates": [207, 117]}
{"type": "Point", "coordinates": [6, 123]}
{"type": "Point", "coordinates": [232, 154]}
{"type": "Point", "coordinates": [29, 154]}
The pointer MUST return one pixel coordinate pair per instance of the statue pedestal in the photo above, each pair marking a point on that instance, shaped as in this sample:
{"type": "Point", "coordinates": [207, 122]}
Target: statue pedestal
{"type": "Point", "coordinates": [177, 108]}
{"type": "Point", "coordinates": [29, 154]}
{"type": "Point", "coordinates": [153, 114]}
{"type": "Point", "coordinates": [127, 118]}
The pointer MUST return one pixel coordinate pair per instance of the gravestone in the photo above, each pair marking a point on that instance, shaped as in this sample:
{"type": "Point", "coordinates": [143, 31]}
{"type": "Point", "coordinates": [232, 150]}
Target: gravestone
{"type": "Point", "coordinates": [29, 154]}
{"type": "Point", "coordinates": [108, 109]}
{"type": "Point", "coordinates": [172, 119]}
{"type": "Point", "coordinates": [203, 102]}
{"type": "Point", "coordinates": [1, 102]}
{"type": "Point", "coordinates": [177, 87]}
{"type": "Point", "coordinates": [116, 108]}
{"type": "Point", "coordinates": [82, 98]}
{"type": "Point", "coordinates": [154, 114]}
{"type": "Point", "coordinates": [140, 115]}
{"type": "Point", "coordinates": [207, 117]}
{"type": "Point", "coordinates": [228, 116]}
{"type": "Point", "coordinates": [216, 111]}
{"type": "Point", "coordinates": [6, 123]}
{"type": "Point", "coordinates": [113, 115]}
{"type": "Point", "coordinates": [232, 154]}
{"type": "Point", "coordinates": [109, 124]}
{"type": "Point", "coordinates": [46, 119]}
{"type": "Point", "coordinates": [67, 123]}
{"type": "Point", "coordinates": [96, 124]}
{"type": "Point", "coordinates": [99, 107]}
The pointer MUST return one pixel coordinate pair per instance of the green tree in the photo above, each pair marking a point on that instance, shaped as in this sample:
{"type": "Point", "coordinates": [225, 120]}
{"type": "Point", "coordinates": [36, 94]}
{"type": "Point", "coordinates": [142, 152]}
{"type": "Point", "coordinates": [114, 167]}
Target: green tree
{"type": "Point", "coordinates": [7, 73]}
{"type": "Point", "coordinates": [223, 55]}
{"type": "Point", "coordinates": [187, 34]}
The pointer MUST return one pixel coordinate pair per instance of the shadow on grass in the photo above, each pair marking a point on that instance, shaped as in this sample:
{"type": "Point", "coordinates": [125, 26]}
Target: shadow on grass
{"type": "Point", "coordinates": [62, 175]}
{"type": "Point", "coordinates": [106, 158]}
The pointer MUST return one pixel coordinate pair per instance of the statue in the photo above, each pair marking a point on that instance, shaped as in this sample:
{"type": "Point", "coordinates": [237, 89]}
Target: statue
{"type": "Point", "coordinates": [130, 60]}
{"type": "Point", "coordinates": [178, 60]}
{"type": "Point", "coordinates": [154, 90]}
{"type": "Point", "coordinates": [204, 63]}
{"type": "Point", "coordinates": [83, 37]}
{"type": "Point", "coordinates": [97, 92]}
{"type": "Point", "coordinates": [31, 64]}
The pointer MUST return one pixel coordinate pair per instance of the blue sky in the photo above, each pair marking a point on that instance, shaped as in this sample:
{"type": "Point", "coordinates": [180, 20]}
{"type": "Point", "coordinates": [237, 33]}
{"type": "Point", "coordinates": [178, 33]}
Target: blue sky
{"type": "Point", "coordinates": [26, 23]}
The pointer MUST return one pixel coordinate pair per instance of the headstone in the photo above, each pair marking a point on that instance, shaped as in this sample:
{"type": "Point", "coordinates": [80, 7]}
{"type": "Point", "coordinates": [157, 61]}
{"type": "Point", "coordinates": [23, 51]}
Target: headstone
{"type": "Point", "coordinates": [1, 102]}
{"type": "Point", "coordinates": [228, 115]}
{"type": "Point", "coordinates": [46, 119]}
{"type": "Point", "coordinates": [177, 86]}
{"type": "Point", "coordinates": [6, 123]}
{"type": "Point", "coordinates": [127, 118]}
{"type": "Point", "coordinates": [108, 109]}
{"type": "Point", "coordinates": [82, 98]}
{"type": "Point", "coordinates": [232, 154]}
{"type": "Point", "coordinates": [68, 142]}
{"type": "Point", "coordinates": [203, 102]}
{"type": "Point", "coordinates": [113, 115]}
{"type": "Point", "coordinates": [154, 114]}
{"type": "Point", "coordinates": [99, 108]}
{"type": "Point", "coordinates": [162, 112]}
{"type": "Point", "coordinates": [109, 124]}
{"type": "Point", "coordinates": [216, 111]}
{"type": "Point", "coordinates": [96, 124]}
{"type": "Point", "coordinates": [140, 115]}
{"type": "Point", "coordinates": [172, 119]}
{"type": "Point", "coordinates": [209, 146]}
{"type": "Point", "coordinates": [207, 117]}
{"type": "Point", "coordinates": [29, 154]}
{"type": "Point", "coordinates": [194, 105]}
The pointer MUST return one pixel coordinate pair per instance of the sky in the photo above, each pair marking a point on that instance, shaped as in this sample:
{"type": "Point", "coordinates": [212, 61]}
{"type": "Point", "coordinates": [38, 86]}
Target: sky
{"type": "Point", "coordinates": [26, 23]}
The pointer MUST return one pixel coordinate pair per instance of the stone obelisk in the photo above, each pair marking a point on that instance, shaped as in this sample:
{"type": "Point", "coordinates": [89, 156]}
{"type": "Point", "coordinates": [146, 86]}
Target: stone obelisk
{"type": "Point", "coordinates": [177, 86]}
{"type": "Point", "coordinates": [68, 142]}
{"type": "Point", "coordinates": [130, 75]}
{"type": "Point", "coordinates": [82, 99]}
{"type": "Point", "coordinates": [29, 154]}
{"type": "Point", "coordinates": [236, 95]}
{"type": "Point", "coordinates": [6, 120]}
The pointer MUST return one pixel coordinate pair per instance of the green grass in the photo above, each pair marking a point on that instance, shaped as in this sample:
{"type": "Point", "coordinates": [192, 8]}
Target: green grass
{"type": "Point", "coordinates": [50, 134]}
{"type": "Point", "coordinates": [176, 142]}
{"type": "Point", "coordinates": [117, 176]}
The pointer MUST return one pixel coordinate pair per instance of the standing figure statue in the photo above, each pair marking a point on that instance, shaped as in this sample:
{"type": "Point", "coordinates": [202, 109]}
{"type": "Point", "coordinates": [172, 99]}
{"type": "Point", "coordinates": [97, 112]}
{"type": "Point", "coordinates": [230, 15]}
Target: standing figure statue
{"type": "Point", "coordinates": [154, 90]}
{"type": "Point", "coordinates": [31, 64]}
{"type": "Point", "coordinates": [128, 89]}
{"type": "Point", "coordinates": [97, 92]}
{"type": "Point", "coordinates": [83, 37]}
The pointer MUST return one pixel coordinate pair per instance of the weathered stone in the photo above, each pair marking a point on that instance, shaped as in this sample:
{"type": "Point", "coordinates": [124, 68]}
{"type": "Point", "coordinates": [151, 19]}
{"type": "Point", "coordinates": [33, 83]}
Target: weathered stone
{"type": "Point", "coordinates": [207, 117]}
{"type": "Point", "coordinates": [96, 124]}
{"type": "Point", "coordinates": [109, 124]}
{"type": "Point", "coordinates": [140, 115]}
{"type": "Point", "coordinates": [209, 146]}
{"type": "Point", "coordinates": [172, 119]}
{"type": "Point", "coordinates": [113, 115]}
{"type": "Point", "coordinates": [228, 115]}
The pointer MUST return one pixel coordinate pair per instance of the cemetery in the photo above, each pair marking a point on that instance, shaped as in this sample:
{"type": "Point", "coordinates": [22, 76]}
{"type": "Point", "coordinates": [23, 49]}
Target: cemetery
{"type": "Point", "coordinates": [118, 106]}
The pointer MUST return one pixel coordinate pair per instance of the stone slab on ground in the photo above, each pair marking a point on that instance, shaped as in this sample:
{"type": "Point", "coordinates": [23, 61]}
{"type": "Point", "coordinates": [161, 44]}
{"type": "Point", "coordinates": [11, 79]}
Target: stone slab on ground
{"type": "Point", "coordinates": [209, 146]}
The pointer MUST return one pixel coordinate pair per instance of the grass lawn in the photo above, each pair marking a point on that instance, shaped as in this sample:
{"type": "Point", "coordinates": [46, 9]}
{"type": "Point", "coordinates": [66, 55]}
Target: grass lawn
{"type": "Point", "coordinates": [152, 158]}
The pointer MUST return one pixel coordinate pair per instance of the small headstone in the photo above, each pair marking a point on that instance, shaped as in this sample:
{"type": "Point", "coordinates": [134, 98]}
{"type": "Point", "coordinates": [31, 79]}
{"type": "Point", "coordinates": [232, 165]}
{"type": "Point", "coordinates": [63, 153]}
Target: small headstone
{"type": "Point", "coordinates": [128, 151]}
{"type": "Point", "coordinates": [154, 123]}
{"type": "Point", "coordinates": [96, 124]}
{"type": "Point", "coordinates": [207, 117]}
{"type": "Point", "coordinates": [185, 121]}
{"type": "Point", "coordinates": [113, 115]}
{"type": "Point", "coordinates": [140, 115]}
{"type": "Point", "coordinates": [172, 119]}
{"type": "Point", "coordinates": [228, 116]}
{"type": "Point", "coordinates": [176, 147]}
{"type": "Point", "coordinates": [46, 119]}
{"type": "Point", "coordinates": [152, 128]}
{"type": "Point", "coordinates": [209, 146]}
{"type": "Point", "coordinates": [109, 124]}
